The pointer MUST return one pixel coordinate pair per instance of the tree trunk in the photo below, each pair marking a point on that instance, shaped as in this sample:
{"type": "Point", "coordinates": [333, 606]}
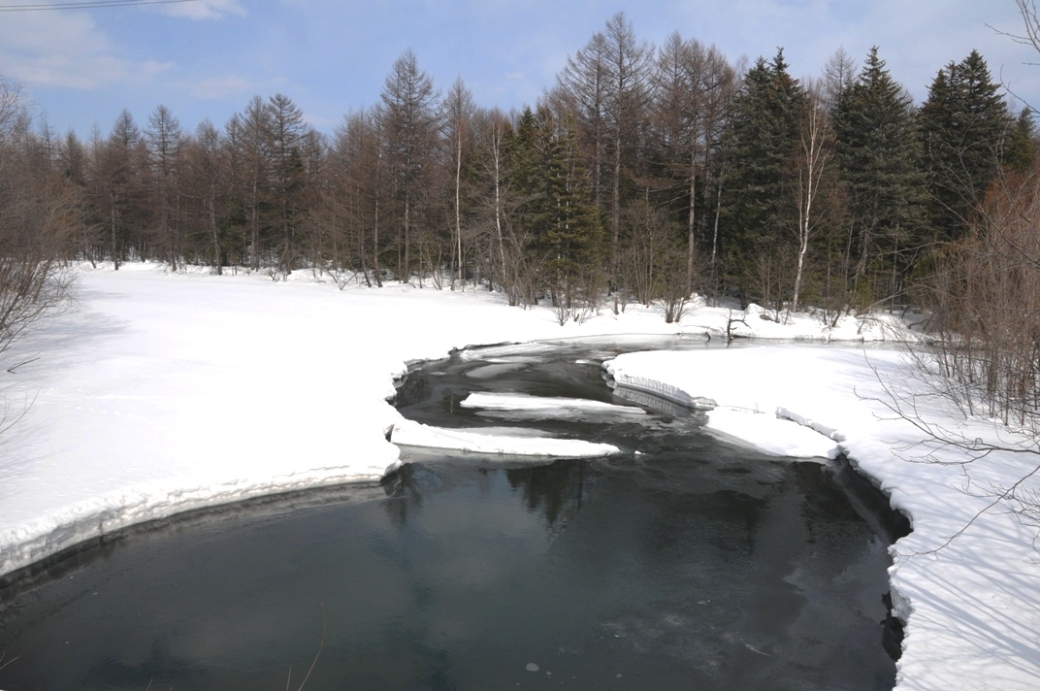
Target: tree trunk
{"type": "Point", "coordinates": [115, 232]}
{"type": "Point", "coordinates": [507, 282]}
{"type": "Point", "coordinates": [406, 273]}
{"type": "Point", "coordinates": [217, 261]}
{"type": "Point", "coordinates": [458, 212]}
{"type": "Point", "coordinates": [690, 224]}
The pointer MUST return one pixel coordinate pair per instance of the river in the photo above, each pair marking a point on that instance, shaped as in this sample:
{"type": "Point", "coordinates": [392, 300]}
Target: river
{"type": "Point", "coordinates": [683, 562]}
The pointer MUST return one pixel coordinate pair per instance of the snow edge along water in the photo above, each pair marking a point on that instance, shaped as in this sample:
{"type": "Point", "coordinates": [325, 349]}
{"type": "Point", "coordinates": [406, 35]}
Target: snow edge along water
{"type": "Point", "coordinates": [150, 356]}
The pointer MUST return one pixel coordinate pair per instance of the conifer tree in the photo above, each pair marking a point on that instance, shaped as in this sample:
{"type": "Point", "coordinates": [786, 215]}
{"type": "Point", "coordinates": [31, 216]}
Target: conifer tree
{"type": "Point", "coordinates": [759, 149]}
{"type": "Point", "coordinates": [606, 87]}
{"type": "Point", "coordinates": [1020, 148]}
{"type": "Point", "coordinates": [962, 127]}
{"type": "Point", "coordinates": [569, 234]}
{"type": "Point", "coordinates": [554, 210]}
{"type": "Point", "coordinates": [122, 187]}
{"type": "Point", "coordinates": [880, 164]}
{"type": "Point", "coordinates": [287, 135]}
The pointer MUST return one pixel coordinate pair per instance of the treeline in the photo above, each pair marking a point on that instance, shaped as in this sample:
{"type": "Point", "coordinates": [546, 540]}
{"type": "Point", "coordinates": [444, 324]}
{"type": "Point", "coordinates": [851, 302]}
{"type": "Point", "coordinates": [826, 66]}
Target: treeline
{"type": "Point", "coordinates": [644, 174]}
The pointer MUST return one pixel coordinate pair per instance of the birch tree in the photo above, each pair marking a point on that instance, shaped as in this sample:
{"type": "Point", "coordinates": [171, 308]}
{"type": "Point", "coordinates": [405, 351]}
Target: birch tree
{"type": "Point", "coordinates": [816, 141]}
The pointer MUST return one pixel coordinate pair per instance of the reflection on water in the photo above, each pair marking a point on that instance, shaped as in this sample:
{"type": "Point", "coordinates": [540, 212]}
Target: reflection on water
{"type": "Point", "coordinates": [688, 565]}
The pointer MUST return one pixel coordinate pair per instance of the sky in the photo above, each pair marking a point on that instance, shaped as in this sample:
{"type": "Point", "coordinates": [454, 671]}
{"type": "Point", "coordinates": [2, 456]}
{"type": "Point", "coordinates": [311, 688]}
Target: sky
{"type": "Point", "coordinates": [80, 65]}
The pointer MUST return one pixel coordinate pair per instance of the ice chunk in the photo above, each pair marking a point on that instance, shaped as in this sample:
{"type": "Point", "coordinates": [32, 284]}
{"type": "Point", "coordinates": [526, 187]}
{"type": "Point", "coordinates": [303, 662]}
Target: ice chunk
{"type": "Point", "coordinates": [523, 405]}
{"type": "Point", "coordinates": [410, 433]}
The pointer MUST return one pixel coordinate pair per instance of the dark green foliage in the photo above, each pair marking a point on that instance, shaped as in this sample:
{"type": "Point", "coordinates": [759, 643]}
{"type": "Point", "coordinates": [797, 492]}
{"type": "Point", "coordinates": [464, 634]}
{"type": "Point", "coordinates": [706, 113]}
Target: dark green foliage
{"type": "Point", "coordinates": [880, 165]}
{"type": "Point", "coordinates": [565, 235]}
{"type": "Point", "coordinates": [1020, 147]}
{"type": "Point", "coordinates": [651, 173]}
{"type": "Point", "coordinates": [759, 158]}
{"type": "Point", "coordinates": [962, 127]}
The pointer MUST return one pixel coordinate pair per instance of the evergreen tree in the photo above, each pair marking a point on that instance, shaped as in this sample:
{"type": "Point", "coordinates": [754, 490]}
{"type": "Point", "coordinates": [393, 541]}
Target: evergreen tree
{"type": "Point", "coordinates": [962, 127]}
{"type": "Point", "coordinates": [554, 209]}
{"type": "Point", "coordinates": [569, 233]}
{"type": "Point", "coordinates": [287, 133]}
{"type": "Point", "coordinates": [759, 150]}
{"type": "Point", "coordinates": [880, 165]}
{"type": "Point", "coordinates": [1020, 148]}
{"type": "Point", "coordinates": [523, 170]}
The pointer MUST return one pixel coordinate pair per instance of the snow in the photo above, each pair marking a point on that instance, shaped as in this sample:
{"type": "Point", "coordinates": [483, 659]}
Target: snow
{"type": "Point", "coordinates": [495, 441]}
{"type": "Point", "coordinates": [971, 603]}
{"type": "Point", "coordinates": [519, 406]}
{"type": "Point", "coordinates": [156, 393]}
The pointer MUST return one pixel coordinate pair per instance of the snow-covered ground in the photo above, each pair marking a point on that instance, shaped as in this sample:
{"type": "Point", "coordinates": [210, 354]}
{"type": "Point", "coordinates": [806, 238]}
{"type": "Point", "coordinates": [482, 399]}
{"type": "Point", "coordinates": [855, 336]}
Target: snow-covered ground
{"type": "Point", "coordinates": [157, 393]}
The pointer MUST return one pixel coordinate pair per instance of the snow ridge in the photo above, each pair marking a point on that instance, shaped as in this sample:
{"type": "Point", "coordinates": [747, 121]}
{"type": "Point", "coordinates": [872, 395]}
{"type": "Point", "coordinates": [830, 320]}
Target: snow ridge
{"type": "Point", "coordinates": [159, 392]}
{"type": "Point", "coordinates": [83, 524]}
{"type": "Point", "coordinates": [478, 440]}
{"type": "Point", "coordinates": [660, 388]}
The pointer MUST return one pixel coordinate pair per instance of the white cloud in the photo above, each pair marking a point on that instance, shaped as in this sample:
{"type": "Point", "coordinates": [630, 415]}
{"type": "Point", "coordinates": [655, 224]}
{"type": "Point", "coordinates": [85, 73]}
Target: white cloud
{"type": "Point", "coordinates": [99, 71]}
{"type": "Point", "coordinates": [67, 49]}
{"type": "Point", "coordinates": [204, 9]}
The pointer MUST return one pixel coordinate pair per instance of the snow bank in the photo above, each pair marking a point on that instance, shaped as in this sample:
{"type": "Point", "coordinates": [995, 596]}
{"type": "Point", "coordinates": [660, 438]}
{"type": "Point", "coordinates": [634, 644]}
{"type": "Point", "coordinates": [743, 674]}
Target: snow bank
{"type": "Point", "coordinates": [496, 441]}
{"type": "Point", "coordinates": [156, 393]}
{"type": "Point", "coordinates": [971, 599]}
{"type": "Point", "coordinates": [545, 407]}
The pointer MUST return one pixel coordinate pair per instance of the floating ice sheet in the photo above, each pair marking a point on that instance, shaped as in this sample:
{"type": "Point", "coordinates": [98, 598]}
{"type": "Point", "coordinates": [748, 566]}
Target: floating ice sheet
{"type": "Point", "coordinates": [516, 405]}
{"type": "Point", "coordinates": [478, 440]}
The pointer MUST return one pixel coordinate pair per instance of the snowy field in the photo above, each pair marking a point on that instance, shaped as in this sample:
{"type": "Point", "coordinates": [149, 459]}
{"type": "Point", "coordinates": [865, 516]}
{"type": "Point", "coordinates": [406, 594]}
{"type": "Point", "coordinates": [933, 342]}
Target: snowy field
{"type": "Point", "coordinates": [156, 393]}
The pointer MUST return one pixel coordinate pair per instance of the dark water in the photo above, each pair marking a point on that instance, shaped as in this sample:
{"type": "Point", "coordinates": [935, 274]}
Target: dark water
{"type": "Point", "coordinates": [691, 565]}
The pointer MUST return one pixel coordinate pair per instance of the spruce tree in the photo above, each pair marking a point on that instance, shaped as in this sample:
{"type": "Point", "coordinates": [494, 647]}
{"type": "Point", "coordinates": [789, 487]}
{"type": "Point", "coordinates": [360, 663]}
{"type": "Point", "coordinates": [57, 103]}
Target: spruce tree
{"type": "Point", "coordinates": [759, 150]}
{"type": "Point", "coordinates": [962, 126]}
{"type": "Point", "coordinates": [554, 211]}
{"type": "Point", "coordinates": [1020, 148]}
{"type": "Point", "coordinates": [880, 166]}
{"type": "Point", "coordinates": [568, 234]}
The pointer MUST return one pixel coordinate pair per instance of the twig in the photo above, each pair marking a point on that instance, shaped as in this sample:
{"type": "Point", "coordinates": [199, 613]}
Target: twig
{"type": "Point", "coordinates": [314, 662]}
{"type": "Point", "coordinates": [5, 664]}
{"type": "Point", "coordinates": [1006, 494]}
{"type": "Point", "coordinates": [12, 368]}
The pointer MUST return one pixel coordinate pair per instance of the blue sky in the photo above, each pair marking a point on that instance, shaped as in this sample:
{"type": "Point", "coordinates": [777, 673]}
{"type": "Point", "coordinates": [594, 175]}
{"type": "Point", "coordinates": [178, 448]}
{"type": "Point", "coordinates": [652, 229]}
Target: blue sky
{"type": "Point", "coordinates": [206, 58]}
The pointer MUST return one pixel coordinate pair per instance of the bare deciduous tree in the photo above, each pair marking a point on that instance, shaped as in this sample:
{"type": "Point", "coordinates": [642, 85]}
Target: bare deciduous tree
{"type": "Point", "coordinates": [409, 125]}
{"type": "Point", "coordinates": [164, 140]}
{"type": "Point", "coordinates": [37, 221]}
{"type": "Point", "coordinates": [458, 111]}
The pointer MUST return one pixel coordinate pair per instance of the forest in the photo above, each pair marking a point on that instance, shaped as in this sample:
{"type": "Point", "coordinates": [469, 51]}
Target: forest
{"type": "Point", "coordinates": [643, 174]}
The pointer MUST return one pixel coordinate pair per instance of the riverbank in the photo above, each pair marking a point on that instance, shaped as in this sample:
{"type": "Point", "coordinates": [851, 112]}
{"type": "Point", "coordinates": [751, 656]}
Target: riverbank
{"type": "Point", "coordinates": [964, 581]}
{"type": "Point", "coordinates": [157, 393]}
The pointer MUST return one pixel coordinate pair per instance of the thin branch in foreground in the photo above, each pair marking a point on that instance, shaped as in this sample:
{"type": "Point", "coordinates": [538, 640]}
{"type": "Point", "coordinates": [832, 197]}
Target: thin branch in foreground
{"type": "Point", "coordinates": [314, 662]}
{"type": "Point", "coordinates": [976, 449]}
{"type": "Point", "coordinates": [8, 663]}
{"type": "Point", "coordinates": [1006, 494]}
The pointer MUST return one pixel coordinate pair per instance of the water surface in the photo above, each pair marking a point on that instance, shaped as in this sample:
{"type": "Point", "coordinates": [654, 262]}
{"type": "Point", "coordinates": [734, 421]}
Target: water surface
{"type": "Point", "coordinates": [690, 564]}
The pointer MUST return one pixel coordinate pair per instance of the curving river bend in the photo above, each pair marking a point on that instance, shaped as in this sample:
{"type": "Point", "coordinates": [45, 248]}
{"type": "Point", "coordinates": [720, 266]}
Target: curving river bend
{"type": "Point", "coordinates": [690, 564]}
